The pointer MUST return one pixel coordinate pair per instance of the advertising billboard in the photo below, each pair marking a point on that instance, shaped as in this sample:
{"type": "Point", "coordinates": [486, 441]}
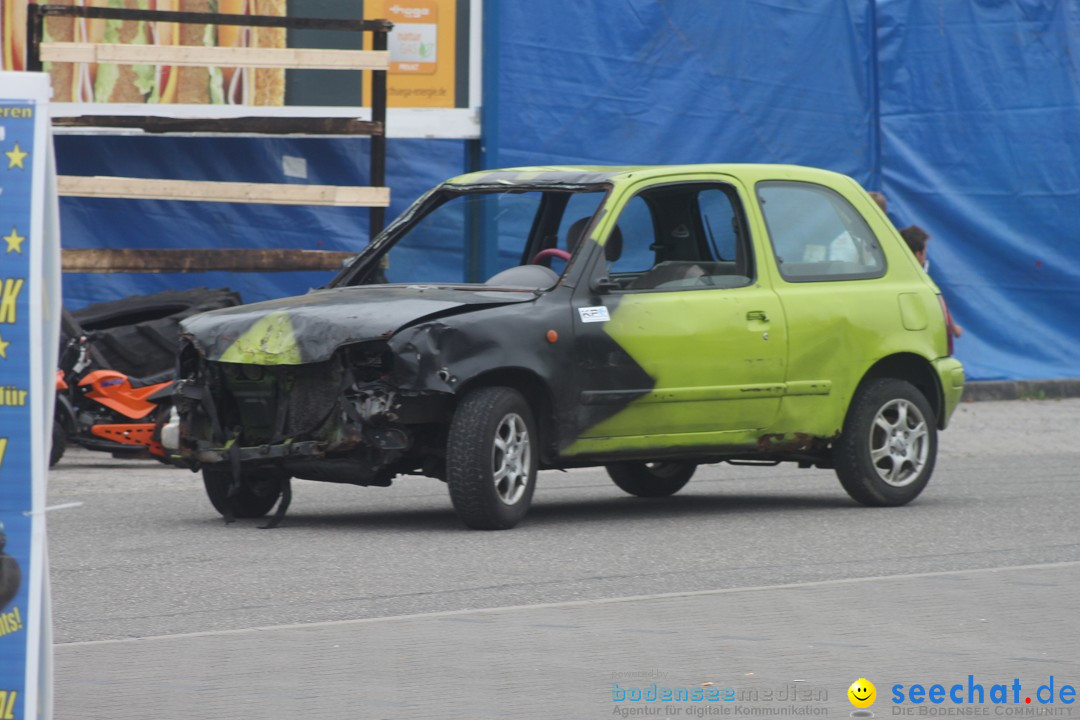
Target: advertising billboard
{"type": "Point", "coordinates": [434, 49]}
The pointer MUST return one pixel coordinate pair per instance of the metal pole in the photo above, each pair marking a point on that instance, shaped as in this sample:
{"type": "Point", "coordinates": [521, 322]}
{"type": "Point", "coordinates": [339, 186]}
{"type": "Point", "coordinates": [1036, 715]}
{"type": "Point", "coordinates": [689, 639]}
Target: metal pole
{"type": "Point", "coordinates": [378, 139]}
{"type": "Point", "coordinates": [34, 26]}
{"type": "Point", "coordinates": [484, 153]}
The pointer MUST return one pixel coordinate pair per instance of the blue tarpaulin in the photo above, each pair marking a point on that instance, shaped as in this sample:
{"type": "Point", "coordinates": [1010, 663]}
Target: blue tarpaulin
{"type": "Point", "coordinates": [115, 223]}
{"type": "Point", "coordinates": [980, 127]}
{"type": "Point", "coordinates": [965, 114]}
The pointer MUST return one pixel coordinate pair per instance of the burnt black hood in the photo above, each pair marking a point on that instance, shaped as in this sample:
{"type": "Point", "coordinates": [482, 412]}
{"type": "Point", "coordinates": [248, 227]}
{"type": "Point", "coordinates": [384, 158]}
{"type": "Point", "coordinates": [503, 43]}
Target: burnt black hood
{"type": "Point", "coordinates": [309, 328]}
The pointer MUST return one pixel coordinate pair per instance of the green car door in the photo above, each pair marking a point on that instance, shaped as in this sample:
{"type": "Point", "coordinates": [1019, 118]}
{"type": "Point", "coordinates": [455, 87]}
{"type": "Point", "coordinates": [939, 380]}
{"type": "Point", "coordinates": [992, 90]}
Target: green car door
{"type": "Point", "coordinates": [679, 342]}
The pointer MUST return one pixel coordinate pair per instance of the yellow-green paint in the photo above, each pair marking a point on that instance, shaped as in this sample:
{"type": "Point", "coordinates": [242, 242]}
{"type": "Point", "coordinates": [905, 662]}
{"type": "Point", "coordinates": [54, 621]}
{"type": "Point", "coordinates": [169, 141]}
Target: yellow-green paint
{"type": "Point", "coordinates": [808, 387]}
{"type": "Point", "coordinates": [951, 373]}
{"type": "Point", "coordinates": [721, 376]}
{"type": "Point", "coordinates": [270, 341]}
{"type": "Point", "coordinates": [706, 353]}
{"type": "Point", "coordinates": [913, 311]}
{"type": "Point", "coordinates": [669, 442]}
{"type": "Point", "coordinates": [701, 351]}
{"type": "Point", "coordinates": [706, 393]}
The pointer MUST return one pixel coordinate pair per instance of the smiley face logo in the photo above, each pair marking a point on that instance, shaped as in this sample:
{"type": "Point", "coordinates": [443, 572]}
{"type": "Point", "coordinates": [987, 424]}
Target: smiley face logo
{"type": "Point", "coordinates": [862, 693]}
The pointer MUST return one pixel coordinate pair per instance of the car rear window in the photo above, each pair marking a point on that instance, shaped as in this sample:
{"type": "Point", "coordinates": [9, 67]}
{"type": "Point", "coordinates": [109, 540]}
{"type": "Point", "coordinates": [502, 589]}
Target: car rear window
{"type": "Point", "coordinates": [817, 235]}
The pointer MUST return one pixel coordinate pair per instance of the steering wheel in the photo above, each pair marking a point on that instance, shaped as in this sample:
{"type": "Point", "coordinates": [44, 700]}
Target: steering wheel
{"type": "Point", "coordinates": [548, 253]}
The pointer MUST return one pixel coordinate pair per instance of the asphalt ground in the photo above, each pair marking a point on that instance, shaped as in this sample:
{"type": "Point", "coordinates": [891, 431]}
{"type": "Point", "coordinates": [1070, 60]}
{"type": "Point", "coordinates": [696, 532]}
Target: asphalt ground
{"type": "Point", "coordinates": [372, 602]}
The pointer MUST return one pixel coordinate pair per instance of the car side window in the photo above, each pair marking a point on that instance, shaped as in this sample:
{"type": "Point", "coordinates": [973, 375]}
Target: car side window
{"type": "Point", "coordinates": [683, 236]}
{"type": "Point", "coordinates": [638, 234]}
{"type": "Point", "coordinates": [817, 235]}
{"type": "Point", "coordinates": [720, 221]}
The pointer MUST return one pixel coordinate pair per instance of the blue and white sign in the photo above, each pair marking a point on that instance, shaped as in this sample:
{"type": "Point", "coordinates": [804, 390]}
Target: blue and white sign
{"type": "Point", "coordinates": [28, 341]}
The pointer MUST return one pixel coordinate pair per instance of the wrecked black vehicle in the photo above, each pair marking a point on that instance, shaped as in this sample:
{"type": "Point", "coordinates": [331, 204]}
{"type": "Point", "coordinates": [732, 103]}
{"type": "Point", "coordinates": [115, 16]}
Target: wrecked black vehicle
{"type": "Point", "coordinates": [631, 317]}
{"type": "Point", "coordinates": [378, 375]}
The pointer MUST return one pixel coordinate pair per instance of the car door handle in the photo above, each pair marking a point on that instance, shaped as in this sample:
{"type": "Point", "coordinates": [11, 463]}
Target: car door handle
{"type": "Point", "coordinates": [757, 315]}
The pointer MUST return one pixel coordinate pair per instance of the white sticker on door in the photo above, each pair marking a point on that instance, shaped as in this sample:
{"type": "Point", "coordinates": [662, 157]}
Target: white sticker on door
{"type": "Point", "coordinates": [594, 314]}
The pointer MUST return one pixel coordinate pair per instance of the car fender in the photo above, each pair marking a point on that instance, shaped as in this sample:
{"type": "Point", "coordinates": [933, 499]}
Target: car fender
{"type": "Point", "coordinates": [502, 344]}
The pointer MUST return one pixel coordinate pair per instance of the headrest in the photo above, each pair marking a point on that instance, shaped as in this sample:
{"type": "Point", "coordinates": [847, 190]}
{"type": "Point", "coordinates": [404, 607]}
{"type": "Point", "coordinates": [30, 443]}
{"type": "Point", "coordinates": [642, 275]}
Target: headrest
{"type": "Point", "coordinates": [576, 233]}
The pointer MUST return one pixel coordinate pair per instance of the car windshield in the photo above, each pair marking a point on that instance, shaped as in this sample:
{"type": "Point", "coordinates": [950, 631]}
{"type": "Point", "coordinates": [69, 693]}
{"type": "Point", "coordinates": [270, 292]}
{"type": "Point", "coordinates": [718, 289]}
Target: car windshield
{"type": "Point", "coordinates": [517, 224]}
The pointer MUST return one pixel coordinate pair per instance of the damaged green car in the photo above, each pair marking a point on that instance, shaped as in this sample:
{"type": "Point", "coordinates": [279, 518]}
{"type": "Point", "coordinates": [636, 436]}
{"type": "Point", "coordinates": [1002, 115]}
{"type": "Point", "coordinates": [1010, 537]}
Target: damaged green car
{"type": "Point", "coordinates": [647, 319]}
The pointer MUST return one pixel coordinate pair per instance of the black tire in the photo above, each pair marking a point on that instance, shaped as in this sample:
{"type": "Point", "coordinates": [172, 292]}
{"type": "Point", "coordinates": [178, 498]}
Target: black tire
{"type": "Point", "coordinates": [651, 480]}
{"type": "Point", "coordinates": [904, 444]}
{"type": "Point", "coordinates": [482, 502]}
{"type": "Point", "coordinates": [258, 492]}
{"type": "Point", "coordinates": [59, 443]}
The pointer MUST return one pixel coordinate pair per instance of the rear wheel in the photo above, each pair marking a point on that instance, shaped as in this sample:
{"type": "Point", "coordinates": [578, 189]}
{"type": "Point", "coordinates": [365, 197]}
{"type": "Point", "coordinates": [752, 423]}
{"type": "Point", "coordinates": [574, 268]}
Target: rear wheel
{"type": "Point", "coordinates": [256, 495]}
{"type": "Point", "coordinates": [887, 450]}
{"type": "Point", "coordinates": [491, 458]}
{"type": "Point", "coordinates": [655, 479]}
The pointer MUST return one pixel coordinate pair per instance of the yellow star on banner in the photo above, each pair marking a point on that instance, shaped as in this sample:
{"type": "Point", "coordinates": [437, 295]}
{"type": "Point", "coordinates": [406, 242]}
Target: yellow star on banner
{"type": "Point", "coordinates": [14, 241]}
{"type": "Point", "coordinates": [16, 157]}
{"type": "Point", "coordinates": [3, 348]}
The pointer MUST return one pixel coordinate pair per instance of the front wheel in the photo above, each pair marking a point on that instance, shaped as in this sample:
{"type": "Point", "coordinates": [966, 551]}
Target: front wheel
{"type": "Point", "coordinates": [256, 495]}
{"type": "Point", "coordinates": [491, 458]}
{"type": "Point", "coordinates": [657, 479]}
{"type": "Point", "coordinates": [886, 452]}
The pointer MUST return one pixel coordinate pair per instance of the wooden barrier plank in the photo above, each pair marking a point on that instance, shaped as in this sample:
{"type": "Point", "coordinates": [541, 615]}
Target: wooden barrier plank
{"type": "Point", "coordinates": [200, 56]}
{"type": "Point", "coordinates": [202, 191]}
{"type": "Point", "coordinates": [101, 260]}
{"type": "Point", "coordinates": [256, 124]}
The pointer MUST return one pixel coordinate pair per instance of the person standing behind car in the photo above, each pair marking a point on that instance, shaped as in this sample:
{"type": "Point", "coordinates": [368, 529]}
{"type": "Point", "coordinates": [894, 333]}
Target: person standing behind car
{"type": "Point", "coordinates": [917, 239]}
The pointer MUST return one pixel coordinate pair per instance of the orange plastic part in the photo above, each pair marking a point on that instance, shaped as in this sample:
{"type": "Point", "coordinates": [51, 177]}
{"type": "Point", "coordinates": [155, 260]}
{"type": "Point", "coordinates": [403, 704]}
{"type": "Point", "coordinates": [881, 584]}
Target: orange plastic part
{"type": "Point", "coordinates": [113, 390]}
{"type": "Point", "coordinates": [130, 434]}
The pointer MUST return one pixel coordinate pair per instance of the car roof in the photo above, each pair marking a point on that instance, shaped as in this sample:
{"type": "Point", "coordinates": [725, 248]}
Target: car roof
{"type": "Point", "coordinates": [615, 175]}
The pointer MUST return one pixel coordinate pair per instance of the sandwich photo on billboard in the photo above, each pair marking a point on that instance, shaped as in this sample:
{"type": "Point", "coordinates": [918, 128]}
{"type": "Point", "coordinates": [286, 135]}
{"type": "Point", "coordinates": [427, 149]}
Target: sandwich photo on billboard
{"type": "Point", "coordinates": [150, 83]}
